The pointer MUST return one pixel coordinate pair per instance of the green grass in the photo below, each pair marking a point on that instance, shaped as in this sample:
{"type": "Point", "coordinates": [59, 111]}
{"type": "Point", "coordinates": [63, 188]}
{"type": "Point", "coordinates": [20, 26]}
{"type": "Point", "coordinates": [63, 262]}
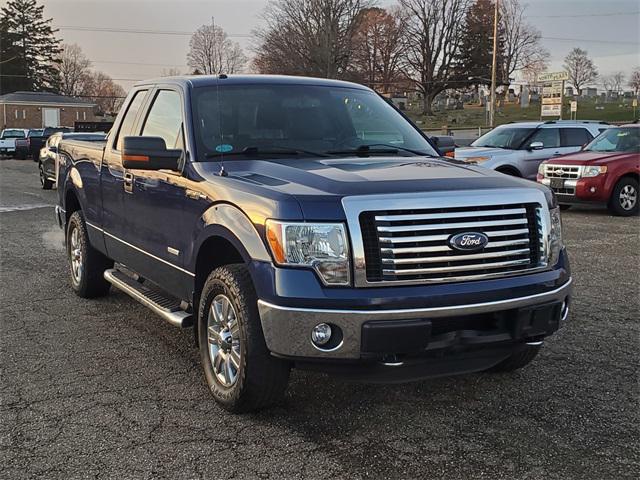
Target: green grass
{"type": "Point", "coordinates": [473, 116]}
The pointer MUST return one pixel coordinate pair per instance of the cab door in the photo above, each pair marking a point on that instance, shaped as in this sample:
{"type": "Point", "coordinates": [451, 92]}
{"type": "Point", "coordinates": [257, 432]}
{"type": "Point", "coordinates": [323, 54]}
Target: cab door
{"type": "Point", "coordinates": [154, 200]}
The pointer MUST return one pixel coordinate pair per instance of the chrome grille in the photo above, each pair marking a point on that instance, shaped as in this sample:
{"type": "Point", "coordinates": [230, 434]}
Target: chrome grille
{"type": "Point", "coordinates": [562, 171]}
{"type": "Point", "coordinates": [412, 245]}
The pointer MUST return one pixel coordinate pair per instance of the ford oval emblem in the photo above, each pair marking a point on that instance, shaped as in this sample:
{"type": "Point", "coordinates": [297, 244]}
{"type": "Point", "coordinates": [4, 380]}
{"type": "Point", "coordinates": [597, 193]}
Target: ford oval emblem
{"type": "Point", "coordinates": [468, 241]}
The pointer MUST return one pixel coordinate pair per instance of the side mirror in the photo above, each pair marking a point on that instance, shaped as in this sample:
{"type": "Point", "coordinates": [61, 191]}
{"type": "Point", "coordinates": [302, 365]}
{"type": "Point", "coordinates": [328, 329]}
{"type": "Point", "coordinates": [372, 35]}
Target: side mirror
{"type": "Point", "coordinates": [149, 153]}
{"type": "Point", "coordinates": [536, 146]}
{"type": "Point", "coordinates": [53, 149]}
{"type": "Point", "coordinates": [434, 140]}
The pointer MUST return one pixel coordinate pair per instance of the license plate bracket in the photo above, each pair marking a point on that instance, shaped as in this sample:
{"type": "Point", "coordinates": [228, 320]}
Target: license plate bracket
{"type": "Point", "coordinates": [557, 183]}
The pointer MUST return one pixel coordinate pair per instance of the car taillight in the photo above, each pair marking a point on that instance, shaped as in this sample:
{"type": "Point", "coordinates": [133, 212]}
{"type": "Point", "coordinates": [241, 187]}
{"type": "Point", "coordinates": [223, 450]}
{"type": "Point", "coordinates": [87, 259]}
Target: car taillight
{"type": "Point", "coordinates": [450, 155]}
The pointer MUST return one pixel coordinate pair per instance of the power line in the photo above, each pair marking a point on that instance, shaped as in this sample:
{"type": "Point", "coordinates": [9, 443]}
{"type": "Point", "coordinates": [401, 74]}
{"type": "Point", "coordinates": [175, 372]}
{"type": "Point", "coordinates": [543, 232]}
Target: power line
{"type": "Point", "coordinates": [141, 63]}
{"type": "Point", "coordinates": [585, 15]}
{"type": "Point", "coordinates": [563, 39]}
{"type": "Point", "coordinates": [139, 31]}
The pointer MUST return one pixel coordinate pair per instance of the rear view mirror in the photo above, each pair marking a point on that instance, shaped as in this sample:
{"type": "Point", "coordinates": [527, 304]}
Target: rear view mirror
{"type": "Point", "coordinates": [434, 140]}
{"type": "Point", "coordinates": [536, 146]}
{"type": "Point", "coordinates": [149, 153]}
{"type": "Point", "coordinates": [53, 149]}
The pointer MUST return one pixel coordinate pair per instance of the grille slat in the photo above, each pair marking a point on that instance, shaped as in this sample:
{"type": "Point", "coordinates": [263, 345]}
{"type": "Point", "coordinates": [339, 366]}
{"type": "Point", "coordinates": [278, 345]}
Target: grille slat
{"type": "Point", "coordinates": [397, 249]}
{"type": "Point", "coordinates": [562, 171]}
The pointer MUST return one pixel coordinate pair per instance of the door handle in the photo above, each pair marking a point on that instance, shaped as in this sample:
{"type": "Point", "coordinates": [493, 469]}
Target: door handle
{"type": "Point", "coordinates": [128, 182]}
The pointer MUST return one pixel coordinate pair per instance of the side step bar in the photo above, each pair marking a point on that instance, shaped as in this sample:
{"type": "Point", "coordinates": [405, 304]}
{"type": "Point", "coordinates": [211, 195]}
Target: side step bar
{"type": "Point", "coordinates": [168, 308]}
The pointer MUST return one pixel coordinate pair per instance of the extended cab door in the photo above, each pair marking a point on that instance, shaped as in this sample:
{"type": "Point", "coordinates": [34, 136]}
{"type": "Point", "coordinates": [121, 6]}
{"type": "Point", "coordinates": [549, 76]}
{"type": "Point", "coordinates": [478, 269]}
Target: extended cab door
{"type": "Point", "coordinates": [112, 178]}
{"type": "Point", "coordinates": [155, 201]}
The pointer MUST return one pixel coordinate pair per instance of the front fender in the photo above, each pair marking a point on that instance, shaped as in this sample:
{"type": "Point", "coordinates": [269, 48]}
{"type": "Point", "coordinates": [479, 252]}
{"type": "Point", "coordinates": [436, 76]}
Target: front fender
{"type": "Point", "coordinates": [229, 222]}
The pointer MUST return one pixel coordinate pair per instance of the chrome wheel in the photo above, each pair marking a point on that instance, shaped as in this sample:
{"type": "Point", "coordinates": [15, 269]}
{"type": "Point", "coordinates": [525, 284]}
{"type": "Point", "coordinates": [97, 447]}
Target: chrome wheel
{"type": "Point", "coordinates": [628, 197]}
{"type": "Point", "coordinates": [223, 333]}
{"type": "Point", "coordinates": [75, 254]}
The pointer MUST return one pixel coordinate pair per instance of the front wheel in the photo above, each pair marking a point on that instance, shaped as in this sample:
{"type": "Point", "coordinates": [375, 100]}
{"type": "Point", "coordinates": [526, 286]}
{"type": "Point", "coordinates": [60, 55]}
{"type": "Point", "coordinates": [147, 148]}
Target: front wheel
{"type": "Point", "coordinates": [240, 372]}
{"type": "Point", "coordinates": [44, 181]}
{"type": "Point", "coordinates": [624, 199]}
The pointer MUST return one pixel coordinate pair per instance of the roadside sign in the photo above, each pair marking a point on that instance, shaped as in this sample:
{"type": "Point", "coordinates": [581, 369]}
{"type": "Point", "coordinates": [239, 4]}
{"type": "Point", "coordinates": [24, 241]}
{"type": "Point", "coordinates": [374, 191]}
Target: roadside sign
{"type": "Point", "coordinates": [574, 106]}
{"type": "Point", "coordinates": [551, 110]}
{"type": "Point", "coordinates": [635, 102]}
{"type": "Point", "coordinates": [553, 77]}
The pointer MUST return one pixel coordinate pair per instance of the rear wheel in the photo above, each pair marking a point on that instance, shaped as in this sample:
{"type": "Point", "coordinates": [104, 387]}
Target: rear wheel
{"type": "Point", "coordinates": [518, 359]}
{"type": "Point", "coordinates": [624, 199]}
{"type": "Point", "coordinates": [86, 264]}
{"type": "Point", "coordinates": [241, 373]}
{"type": "Point", "coordinates": [44, 181]}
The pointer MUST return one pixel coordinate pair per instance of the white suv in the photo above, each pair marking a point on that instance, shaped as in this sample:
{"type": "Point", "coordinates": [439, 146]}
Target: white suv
{"type": "Point", "coordinates": [518, 148]}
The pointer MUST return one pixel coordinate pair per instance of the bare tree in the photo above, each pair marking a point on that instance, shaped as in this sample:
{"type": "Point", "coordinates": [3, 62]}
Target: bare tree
{"type": "Point", "coordinates": [74, 69]}
{"type": "Point", "coordinates": [308, 37]}
{"type": "Point", "coordinates": [634, 81]}
{"type": "Point", "coordinates": [102, 90]}
{"type": "Point", "coordinates": [377, 52]}
{"type": "Point", "coordinates": [170, 72]}
{"type": "Point", "coordinates": [212, 52]}
{"type": "Point", "coordinates": [581, 69]}
{"type": "Point", "coordinates": [432, 40]}
{"type": "Point", "coordinates": [617, 81]}
{"type": "Point", "coordinates": [522, 48]}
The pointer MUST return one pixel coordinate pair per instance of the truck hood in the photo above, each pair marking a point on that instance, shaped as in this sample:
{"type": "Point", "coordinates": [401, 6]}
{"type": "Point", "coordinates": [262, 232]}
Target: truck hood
{"type": "Point", "coordinates": [592, 158]}
{"type": "Point", "coordinates": [467, 152]}
{"type": "Point", "coordinates": [320, 184]}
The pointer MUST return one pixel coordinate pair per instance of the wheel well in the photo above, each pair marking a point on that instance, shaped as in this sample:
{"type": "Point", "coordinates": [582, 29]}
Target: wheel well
{"type": "Point", "coordinates": [509, 171]}
{"type": "Point", "coordinates": [214, 252]}
{"type": "Point", "coordinates": [71, 204]}
{"type": "Point", "coordinates": [632, 175]}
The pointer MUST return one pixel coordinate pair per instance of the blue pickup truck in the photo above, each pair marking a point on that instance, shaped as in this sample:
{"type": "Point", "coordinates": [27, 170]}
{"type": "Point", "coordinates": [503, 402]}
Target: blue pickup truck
{"type": "Point", "coordinates": [300, 222]}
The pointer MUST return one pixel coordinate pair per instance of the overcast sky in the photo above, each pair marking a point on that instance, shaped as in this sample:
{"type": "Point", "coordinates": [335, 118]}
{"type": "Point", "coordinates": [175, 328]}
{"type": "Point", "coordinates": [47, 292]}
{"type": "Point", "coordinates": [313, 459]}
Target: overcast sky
{"type": "Point", "coordinates": [612, 28]}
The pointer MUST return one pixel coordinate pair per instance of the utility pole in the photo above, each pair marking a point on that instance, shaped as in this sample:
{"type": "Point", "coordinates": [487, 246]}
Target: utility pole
{"type": "Point", "coordinates": [492, 107]}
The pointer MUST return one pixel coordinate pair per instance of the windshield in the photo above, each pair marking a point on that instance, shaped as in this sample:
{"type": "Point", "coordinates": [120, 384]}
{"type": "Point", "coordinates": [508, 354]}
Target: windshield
{"type": "Point", "coordinates": [35, 133]}
{"type": "Point", "coordinates": [299, 119]}
{"type": "Point", "coordinates": [503, 137]}
{"type": "Point", "coordinates": [13, 134]}
{"type": "Point", "coordinates": [616, 140]}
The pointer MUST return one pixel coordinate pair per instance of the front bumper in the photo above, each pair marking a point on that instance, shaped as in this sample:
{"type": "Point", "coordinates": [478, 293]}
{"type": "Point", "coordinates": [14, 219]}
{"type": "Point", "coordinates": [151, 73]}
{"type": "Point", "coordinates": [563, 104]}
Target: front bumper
{"type": "Point", "coordinates": [287, 330]}
{"type": "Point", "coordinates": [580, 190]}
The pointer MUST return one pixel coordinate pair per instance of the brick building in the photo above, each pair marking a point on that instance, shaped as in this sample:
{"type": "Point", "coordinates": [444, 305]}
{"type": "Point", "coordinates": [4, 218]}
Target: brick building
{"type": "Point", "coordinates": [43, 109]}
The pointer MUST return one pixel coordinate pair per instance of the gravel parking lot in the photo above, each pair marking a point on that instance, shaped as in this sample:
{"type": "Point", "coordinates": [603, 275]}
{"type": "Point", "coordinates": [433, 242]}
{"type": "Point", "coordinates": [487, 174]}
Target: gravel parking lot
{"type": "Point", "coordinates": [105, 389]}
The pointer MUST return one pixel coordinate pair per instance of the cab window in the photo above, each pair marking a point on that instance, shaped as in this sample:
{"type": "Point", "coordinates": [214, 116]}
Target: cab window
{"type": "Point", "coordinates": [130, 117]}
{"type": "Point", "coordinates": [165, 119]}
{"type": "Point", "coordinates": [575, 137]}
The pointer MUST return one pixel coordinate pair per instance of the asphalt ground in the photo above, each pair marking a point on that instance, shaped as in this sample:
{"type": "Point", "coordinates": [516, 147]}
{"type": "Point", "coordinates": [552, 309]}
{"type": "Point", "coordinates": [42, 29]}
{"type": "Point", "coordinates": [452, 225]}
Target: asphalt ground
{"type": "Point", "coordinates": [105, 389]}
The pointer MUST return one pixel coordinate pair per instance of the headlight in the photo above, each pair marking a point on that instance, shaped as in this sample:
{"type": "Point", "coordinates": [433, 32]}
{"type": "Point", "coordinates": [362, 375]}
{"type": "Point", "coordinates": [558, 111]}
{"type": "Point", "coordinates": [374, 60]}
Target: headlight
{"type": "Point", "coordinates": [594, 171]}
{"type": "Point", "coordinates": [321, 246]}
{"type": "Point", "coordinates": [555, 236]}
{"type": "Point", "coordinates": [541, 169]}
{"type": "Point", "coordinates": [475, 159]}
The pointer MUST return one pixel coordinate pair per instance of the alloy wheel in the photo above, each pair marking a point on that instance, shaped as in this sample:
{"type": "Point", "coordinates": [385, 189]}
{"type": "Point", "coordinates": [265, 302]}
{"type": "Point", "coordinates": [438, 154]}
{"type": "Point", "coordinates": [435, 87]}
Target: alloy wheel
{"type": "Point", "coordinates": [628, 197]}
{"type": "Point", "coordinates": [75, 254]}
{"type": "Point", "coordinates": [223, 332]}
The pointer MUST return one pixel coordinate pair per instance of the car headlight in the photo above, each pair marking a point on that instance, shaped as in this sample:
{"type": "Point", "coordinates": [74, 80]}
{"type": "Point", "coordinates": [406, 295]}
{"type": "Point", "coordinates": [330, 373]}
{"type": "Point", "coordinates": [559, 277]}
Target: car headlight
{"type": "Point", "coordinates": [594, 171]}
{"type": "Point", "coordinates": [555, 236]}
{"type": "Point", "coordinates": [320, 246]}
{"type": "Point", "coordinates": [541, 169]}
{"type": "Point", "coordinates": [476, 159]}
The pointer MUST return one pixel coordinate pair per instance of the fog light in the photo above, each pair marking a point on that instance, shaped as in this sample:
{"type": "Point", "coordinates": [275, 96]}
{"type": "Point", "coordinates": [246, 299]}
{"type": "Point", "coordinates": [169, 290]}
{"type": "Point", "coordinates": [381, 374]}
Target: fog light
{"type": "Point", "coordinates": [321, 334]}
{"type": "Point", "coordinates": [592, 189]}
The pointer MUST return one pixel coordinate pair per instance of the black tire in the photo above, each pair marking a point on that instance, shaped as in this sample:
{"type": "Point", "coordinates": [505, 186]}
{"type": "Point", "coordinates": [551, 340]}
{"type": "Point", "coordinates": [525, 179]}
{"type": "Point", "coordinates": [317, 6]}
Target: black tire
{"type": "Point", "coordinates": [564, 206]}
{"type": "Point", "coordinates": [621, 205]}
{"type": "Point", "coordinates": [518, 359]}
{"type": "Point", "coordinates": [87, 280]}
{"type": "Point", "coordinates": [260, 379]}
{"type": "Point", "coordinates": [44, 181]}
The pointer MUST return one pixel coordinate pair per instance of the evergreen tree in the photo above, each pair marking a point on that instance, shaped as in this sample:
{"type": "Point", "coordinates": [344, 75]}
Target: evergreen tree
{"type": "Point", "coordinates": [476, 48]}
{"type": "Point", "coordinates": [29, 48]}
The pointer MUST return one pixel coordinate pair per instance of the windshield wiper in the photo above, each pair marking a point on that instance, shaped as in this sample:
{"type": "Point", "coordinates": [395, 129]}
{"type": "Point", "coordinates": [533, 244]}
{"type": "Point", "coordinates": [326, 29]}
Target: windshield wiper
{"type": "Point", "coordinates": [367, 150]}
{"type": "Point", "coordinates": [271, 150]}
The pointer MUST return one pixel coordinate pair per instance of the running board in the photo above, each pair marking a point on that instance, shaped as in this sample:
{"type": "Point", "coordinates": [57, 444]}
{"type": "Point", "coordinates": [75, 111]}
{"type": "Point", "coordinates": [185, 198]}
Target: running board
{"type": "Point", "coordinates": [156, 300]}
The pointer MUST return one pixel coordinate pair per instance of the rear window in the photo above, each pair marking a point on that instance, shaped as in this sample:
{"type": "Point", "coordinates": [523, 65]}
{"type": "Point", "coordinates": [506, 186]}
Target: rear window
{"type": "Point", "coordinates": [13, 133]}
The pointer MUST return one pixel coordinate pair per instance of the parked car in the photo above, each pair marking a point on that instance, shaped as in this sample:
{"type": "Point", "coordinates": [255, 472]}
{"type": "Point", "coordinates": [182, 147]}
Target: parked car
{"type": "Point", "coordinates": [25, 145]}
{"type": "Point", "coordinates": [519, 148]}
{"type": "Point", "coordinates": [8, 138]}
{"type": "Point", "coordinates": [274, 215]}
{"type": "Point", "coordinates": [48, 159]}
{"type": "Point", "coordinates": [605, 172]}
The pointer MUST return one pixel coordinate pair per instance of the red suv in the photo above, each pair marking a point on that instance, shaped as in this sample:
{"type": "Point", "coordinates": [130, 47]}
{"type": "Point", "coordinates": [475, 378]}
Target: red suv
{"type": "Point", "coordinates": [605, 171]}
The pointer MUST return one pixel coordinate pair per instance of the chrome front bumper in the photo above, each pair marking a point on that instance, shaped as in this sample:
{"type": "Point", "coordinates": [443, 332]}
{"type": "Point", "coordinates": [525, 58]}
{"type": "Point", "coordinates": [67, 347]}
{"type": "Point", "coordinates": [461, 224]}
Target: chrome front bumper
{"type": "Point", "coordinates": [287, 330]}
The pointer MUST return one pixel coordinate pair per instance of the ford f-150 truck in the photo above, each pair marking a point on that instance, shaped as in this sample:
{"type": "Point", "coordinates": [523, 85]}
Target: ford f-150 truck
{"type": "Point", "coordinates": [606, 171]}
{"type": "Point", "coordinates": [299, 222]}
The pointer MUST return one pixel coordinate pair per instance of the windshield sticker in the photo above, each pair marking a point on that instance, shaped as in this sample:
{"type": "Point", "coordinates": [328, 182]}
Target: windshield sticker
{"type": "Point", "coordinates": [623, 134]}
{"type": "Point", "coordinates": [224, 148]}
